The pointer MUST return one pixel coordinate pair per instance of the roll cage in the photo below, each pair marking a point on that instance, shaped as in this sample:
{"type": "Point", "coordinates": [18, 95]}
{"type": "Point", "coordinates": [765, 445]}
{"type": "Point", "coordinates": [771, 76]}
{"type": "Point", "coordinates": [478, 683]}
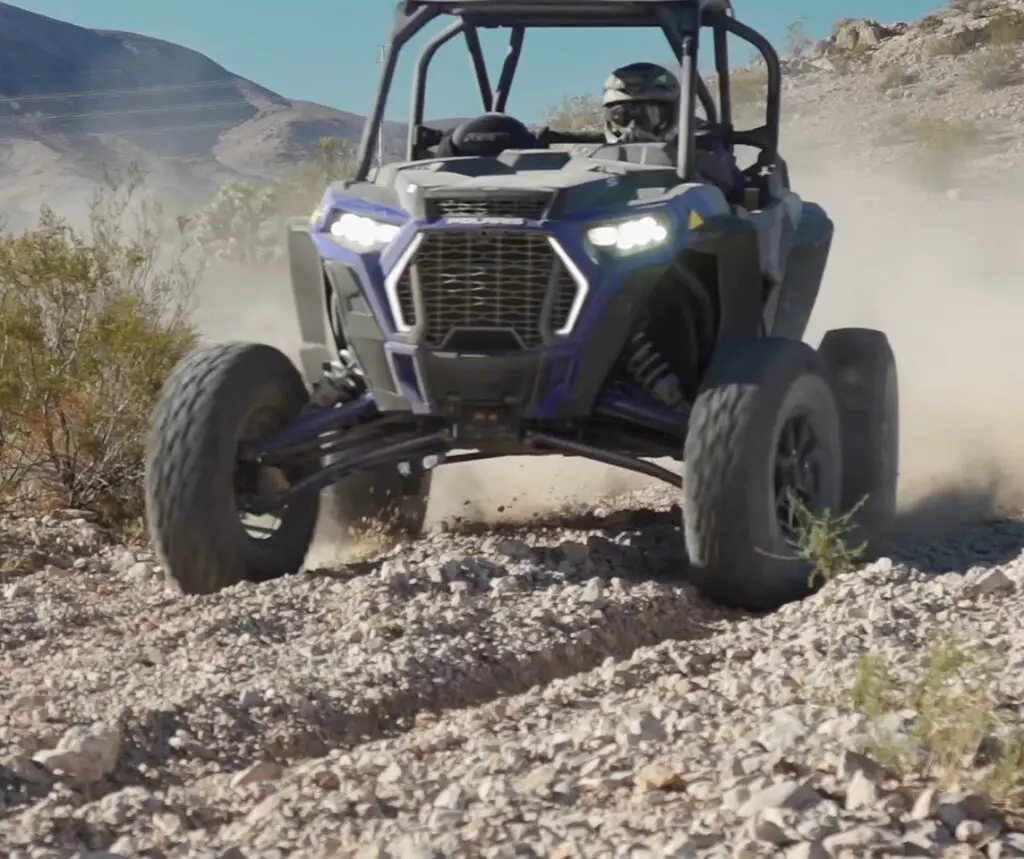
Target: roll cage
{"type": "Point", "coordinates": [680, 20]}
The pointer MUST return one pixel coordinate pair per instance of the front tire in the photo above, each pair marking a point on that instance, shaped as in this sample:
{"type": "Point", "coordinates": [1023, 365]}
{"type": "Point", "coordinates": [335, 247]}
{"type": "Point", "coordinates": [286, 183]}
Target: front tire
{"type": "Point", "coordinates": [759, 400]}
{"type": "Point", "coordinates": [216, 398]}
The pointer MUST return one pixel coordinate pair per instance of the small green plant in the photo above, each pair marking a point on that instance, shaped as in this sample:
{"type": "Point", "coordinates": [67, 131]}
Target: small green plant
{"type": "Point", "coordinates": [958, 735]}
{"type": "Point", "coordinates": [823, 541]}
{"type": "Point", "coordinates": [874, 694]}
{"type": "Point", "coordinates": [994, 67]}
{"type": "Point", "coordinates": [873, 688]}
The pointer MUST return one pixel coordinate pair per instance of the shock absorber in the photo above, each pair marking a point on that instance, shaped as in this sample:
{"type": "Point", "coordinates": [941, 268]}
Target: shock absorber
{"type": "Point", "coordinates": [652, 372]}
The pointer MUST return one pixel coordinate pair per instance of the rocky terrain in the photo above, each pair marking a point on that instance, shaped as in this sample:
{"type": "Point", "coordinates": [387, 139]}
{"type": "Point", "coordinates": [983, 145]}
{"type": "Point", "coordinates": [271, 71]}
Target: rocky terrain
{"type": "Point", "coordinates": [546, 690]}
{"type": "Point", "coordinates": [536, 678]}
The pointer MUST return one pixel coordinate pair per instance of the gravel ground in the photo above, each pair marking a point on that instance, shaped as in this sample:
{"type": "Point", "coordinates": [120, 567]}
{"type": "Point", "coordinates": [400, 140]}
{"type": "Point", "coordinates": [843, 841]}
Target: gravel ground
{"type": "Point", "coordinates": [554, 689]}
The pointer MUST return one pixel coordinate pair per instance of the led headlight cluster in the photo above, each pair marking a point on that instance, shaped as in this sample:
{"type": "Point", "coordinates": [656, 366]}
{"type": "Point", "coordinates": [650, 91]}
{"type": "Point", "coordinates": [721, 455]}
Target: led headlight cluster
{"type": "Point", "coordinates": [361, 232]}
{"type": "Point", "coordinates": [638, 234]}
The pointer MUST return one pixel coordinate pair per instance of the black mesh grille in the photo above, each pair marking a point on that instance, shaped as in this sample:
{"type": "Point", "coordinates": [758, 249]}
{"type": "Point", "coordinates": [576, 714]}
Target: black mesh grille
{"type": "Point", "coordinates": [479, 280]}
{"type": "Point", "coordinates": [529, 206]}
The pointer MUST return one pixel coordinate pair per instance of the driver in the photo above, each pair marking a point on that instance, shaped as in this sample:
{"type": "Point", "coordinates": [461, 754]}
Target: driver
{"type": "Point", "coordinates": [640, 104]}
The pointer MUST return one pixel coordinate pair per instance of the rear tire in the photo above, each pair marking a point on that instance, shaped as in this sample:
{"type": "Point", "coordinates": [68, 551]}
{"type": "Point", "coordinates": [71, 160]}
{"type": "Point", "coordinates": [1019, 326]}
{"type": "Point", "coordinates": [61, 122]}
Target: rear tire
{"type": "Point", "coordinates": [216, 398]}
{"type": "Point", "coordinates": [863, 371]}
{"type": "Point", "coordinates": [754, 396]}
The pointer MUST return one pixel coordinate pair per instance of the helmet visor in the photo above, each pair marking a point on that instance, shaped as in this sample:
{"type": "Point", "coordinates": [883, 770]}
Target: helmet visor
{"type": "Point", "coordinates": [655, 118]}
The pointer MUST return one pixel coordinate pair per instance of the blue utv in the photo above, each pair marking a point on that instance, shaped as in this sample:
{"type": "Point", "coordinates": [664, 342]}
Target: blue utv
{"type": "Point", "coordinates": [506, 297]}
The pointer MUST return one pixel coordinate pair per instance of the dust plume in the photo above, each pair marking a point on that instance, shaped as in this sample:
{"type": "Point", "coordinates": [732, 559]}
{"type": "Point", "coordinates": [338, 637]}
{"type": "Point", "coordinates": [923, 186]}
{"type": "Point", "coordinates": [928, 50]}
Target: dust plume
{"type": "Point", "coordinates": [942, 277]}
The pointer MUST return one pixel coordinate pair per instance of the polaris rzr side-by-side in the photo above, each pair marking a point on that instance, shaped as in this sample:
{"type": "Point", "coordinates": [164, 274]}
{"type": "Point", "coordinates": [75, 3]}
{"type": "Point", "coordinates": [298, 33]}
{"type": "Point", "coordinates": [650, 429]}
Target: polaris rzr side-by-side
{"type": "Point", "coordinates": [494, 295]}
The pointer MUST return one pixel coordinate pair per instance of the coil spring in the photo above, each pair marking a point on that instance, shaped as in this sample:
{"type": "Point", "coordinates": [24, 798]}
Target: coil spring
{"type": "Point", "coordinates": [653, 373]}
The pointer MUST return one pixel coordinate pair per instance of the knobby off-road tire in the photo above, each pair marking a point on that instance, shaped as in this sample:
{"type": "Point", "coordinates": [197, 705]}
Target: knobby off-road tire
{"type": "Point", "coordinates": [863, 372]}
{"type": "Point", "coordinates": [381, 499]}
{"type": "Point", "coordinates": [739, 554]}
{"type": "Point", "coordinates": [217, 397]}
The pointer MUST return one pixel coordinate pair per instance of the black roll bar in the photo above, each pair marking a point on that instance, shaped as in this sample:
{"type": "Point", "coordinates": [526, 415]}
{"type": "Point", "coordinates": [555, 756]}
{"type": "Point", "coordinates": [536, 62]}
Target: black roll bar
{"type": "Point", "coordinates": [766, 137]}
{"type": "Point", "coordinates": [681, 29]}
{"type": "Point", "coordinates": [476, 57]}
{"type": "Point", "coordinates": [419, 81]}
{"type": "Point", "coordinates": [406, 26]}
{"type": "Point", "coordinates": [721, 39]}
{"type": "Point", "coordinates": [508, 68]}
{"type": "Point", "coordinates": [680, 24]}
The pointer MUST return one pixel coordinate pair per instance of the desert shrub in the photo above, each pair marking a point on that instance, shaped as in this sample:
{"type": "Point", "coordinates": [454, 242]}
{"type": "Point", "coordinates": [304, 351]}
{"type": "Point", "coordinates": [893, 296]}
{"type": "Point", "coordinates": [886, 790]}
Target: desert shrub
{"type": "Point", "coordinates": [994, 67]}
{"type": "Point", "coordinates": [939, 147]}
{"type": "Point", "coordinates": [749, 87]}
{"type": "Point", "coordinates": [895, 77]}
{"type": "Point", "coordinates": [953, 44]}
{"type": "Point", "coordinates": [91, 322]}
{"type": "Point", "coordinates": [968, 7]}
{"type": "Point", "coordinates": [238, 224]}
{"type": "Point", "coordinates": [798, 43]}
{"type": "Point", "coordinates": [1006, 27]}
{"type": "Point", "coordinates": [575, 113]}
{"type": "Point", "coordinates": [245, 221]}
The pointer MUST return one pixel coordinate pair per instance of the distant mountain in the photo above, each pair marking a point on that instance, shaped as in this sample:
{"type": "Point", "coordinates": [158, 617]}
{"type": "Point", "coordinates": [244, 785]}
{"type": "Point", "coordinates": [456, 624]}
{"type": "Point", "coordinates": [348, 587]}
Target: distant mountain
{"type": "Point", "coordinates": [73, 99]}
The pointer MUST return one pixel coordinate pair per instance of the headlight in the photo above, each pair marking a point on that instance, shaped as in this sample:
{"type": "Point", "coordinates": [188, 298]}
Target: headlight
{"type": "Point", "coordinates": [362, 232]}
{"type": "Point", "coordinates": [639, 234]}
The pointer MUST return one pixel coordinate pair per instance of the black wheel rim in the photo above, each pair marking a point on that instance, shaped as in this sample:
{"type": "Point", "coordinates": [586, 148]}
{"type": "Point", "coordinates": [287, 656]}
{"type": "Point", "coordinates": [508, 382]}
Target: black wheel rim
{"type": "Point", "coordinates": [798, 474]}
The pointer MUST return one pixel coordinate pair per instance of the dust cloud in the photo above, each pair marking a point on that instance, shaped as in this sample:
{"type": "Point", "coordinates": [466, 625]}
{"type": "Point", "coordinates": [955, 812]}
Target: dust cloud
{"type": "Point", "coordinates": [941, 277]}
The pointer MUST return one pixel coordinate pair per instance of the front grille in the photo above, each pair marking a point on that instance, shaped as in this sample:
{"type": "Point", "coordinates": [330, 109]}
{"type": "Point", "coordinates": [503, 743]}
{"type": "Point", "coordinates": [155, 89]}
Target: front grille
{"type": "Point", "coordinates": [483, 281]}
{"type": "Point", "coordinates": [528, 206]}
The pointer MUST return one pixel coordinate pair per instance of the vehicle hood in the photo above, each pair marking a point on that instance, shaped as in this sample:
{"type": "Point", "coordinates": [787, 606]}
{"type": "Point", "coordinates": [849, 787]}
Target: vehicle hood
{"type": "Point", "coordinates": [576, 181]}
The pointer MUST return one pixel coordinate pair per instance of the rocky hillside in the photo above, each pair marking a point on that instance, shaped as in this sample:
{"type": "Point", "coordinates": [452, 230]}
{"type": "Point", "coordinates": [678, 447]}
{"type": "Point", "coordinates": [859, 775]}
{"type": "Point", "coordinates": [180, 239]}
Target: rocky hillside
{"type": "Point", "coordinates": [72, 99]}
{"type": "Point", "coordinates": [942, 96]}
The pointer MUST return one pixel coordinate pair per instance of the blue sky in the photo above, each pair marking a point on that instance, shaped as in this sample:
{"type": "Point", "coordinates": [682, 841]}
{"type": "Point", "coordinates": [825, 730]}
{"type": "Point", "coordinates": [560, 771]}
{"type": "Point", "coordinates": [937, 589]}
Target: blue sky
{"type": "Point", "coordinates": [326, 50]}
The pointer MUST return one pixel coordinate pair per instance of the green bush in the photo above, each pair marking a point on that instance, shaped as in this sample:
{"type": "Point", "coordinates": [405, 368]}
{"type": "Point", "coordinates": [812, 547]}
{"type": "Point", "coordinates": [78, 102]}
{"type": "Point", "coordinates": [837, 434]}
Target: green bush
{"type": "Point", "coordinates": [91, 322]}
{"type": "Point", "coordinates": [994, 67]}
{"type": "Point", "coordinates": [575, 113]}
{"type": "Point", "coordinates": [940, 146]}
{"type": "Point", "coordinates": [895, 77]}
{"type": "Point", "coordinates": [953, 45]}
{"type": "Point", "coordinates": [1006, 27]}
{"type": "Point", "coordinates": [245, 221]}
